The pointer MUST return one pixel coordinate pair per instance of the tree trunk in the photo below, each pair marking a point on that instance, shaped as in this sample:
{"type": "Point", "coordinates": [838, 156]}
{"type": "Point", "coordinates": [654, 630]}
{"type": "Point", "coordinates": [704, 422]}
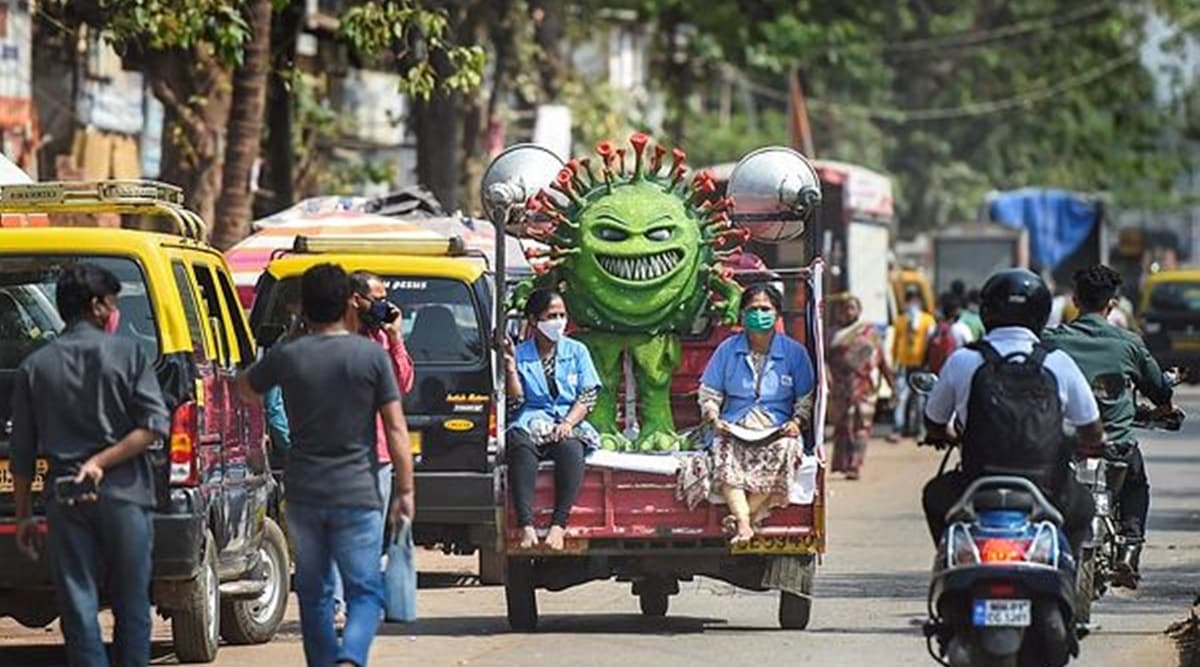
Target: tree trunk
{"type": "Point", "coordinates": [438, 127]}
{"type": "Point", "coordinates": [194, 90]}
{"type": "Point", "coordinates": [280, 114]}
{"type": "Point", "coordinates": [235, 206]}
{"type": "Point", "coordinates": [551, 20]}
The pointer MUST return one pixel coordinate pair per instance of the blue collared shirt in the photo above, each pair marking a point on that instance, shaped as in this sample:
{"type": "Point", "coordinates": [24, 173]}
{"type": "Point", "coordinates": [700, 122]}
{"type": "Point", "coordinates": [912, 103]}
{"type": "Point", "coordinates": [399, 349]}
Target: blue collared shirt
{"type": "Point", "coordinates": [786, 377]}
{"type": "Point", "coordinates": [574, 373]}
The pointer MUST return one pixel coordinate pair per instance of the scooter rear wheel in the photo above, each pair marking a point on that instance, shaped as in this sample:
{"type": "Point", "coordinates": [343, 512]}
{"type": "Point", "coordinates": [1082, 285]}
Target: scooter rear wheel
{"type": "Point", "coordinates": [1085, 587]}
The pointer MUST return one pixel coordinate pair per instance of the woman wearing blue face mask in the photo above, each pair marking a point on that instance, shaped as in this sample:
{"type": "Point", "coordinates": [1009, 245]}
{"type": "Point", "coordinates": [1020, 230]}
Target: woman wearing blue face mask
{"type": "Point", "coordinates": [552, 386]}
{"type": "Point", "coordinates": [756, 393]}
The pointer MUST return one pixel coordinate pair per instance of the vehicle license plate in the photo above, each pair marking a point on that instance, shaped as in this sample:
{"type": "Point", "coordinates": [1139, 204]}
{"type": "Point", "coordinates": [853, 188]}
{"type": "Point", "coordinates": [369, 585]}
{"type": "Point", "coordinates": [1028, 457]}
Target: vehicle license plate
{"type": "Point", "coordinates": [414, 442]}
{"type": "Point", "coordinates": [774, 545]}
{"type": "Point", "coordinates": [39, 476]}
{"type": "Point", "coordinates": [1002, 613]}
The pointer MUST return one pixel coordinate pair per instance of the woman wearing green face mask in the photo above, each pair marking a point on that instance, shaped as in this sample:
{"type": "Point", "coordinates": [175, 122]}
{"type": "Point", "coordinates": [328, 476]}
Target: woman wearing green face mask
{"type": "Point", "coordinates": [756, 393]}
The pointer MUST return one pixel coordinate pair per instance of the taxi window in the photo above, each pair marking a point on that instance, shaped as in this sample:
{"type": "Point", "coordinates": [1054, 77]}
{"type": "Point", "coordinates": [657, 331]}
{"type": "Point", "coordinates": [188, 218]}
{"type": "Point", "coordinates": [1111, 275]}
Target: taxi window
{"type": "Point", "coordinates": [212, 306]}
{"type": "Point", "coordinates": [29, 314]}
{"type": "Point", "coordinates": [441, 321]}
{"type": "Point", "coordinates": [191, 311]}
{"type": "Point", "coordinates": [240, 332]}
{"type": "Point", "coordinates": [1176, 297]}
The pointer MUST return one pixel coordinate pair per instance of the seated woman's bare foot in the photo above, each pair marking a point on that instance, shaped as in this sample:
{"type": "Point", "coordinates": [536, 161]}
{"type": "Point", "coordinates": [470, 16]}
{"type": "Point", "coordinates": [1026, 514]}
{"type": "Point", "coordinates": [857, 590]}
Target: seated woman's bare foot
{"type": "Point", "coordinates": [745, 532]}
{"type": "Point", "coordinates": [556, 539]}
{"type": "Point", "coordinates": [529, 537]}
{"type": "Point", "coordinates": [729, 524]}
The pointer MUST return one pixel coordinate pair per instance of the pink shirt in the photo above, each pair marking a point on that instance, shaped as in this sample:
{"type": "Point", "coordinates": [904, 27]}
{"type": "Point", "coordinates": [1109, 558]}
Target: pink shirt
{"type": "Point", "coordinates": [402, 366]}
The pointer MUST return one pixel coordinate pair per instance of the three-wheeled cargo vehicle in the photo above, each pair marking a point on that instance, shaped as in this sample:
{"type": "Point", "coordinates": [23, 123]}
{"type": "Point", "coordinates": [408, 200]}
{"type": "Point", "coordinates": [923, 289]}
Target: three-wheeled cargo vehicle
{"type": "Point", "coordinates": [628, 521]}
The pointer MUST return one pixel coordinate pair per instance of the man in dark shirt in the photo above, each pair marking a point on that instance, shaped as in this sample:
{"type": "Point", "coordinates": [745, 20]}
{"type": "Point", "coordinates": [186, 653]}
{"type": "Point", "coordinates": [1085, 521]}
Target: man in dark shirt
{"type": "Point", "coordinates": [115, 412]}
{"type": "Point", "coordinates": [334, 384]}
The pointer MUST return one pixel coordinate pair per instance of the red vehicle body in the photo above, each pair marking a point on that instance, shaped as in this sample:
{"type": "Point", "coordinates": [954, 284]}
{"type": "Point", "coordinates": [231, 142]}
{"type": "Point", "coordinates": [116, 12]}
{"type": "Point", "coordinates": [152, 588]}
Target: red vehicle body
{"type": "Point", "coordinates": [630, 524]}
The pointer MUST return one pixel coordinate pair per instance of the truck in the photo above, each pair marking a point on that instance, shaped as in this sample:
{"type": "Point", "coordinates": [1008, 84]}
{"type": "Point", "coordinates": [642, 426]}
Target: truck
{"type": "Point", "coordinates": [972, 252]}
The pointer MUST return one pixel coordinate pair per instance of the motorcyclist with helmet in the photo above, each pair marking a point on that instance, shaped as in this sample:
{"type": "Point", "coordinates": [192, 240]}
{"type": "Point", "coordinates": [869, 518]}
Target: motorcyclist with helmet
{"type": "Point", "coordinates": [1113, 361]}
{"type": "Point", "coordinates": [1010, 399]}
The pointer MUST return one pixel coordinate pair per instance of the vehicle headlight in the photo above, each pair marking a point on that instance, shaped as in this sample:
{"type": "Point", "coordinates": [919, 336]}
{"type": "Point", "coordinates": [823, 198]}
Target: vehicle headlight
{"type": "Point", "coordinates": [960, 547]}
{"type": "Point", "coordinates": [1152, 327]}
{"type": "Point", "coordinates": [1044, 548]}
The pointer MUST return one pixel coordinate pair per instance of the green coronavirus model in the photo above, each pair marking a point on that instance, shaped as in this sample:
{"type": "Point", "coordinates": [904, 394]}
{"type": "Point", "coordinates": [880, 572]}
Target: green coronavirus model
{"type": "Point", "coordinates": [635, 247]}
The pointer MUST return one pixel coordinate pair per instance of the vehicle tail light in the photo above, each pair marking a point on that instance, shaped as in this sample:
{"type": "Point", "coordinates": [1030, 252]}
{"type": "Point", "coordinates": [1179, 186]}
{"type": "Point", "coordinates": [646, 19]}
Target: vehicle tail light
{"type": "Point", "coordinates": [1001, 590]}
{"type": "Point", "coordinates": [1002, 550]}
{"type": "Point", "coordinates": [184, 442]}
{"type": "Point", "coordinates": [492, 422]}
{"type": "Point", "coordinates": [960, 548]}
{"type": "Point", "coordinates": [1044, 547]}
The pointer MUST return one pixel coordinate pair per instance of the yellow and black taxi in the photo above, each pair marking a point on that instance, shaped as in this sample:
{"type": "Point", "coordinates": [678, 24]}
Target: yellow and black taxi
{"type": "Point", "coordinates": [444, 294]}
{"type": "Point", "coordinates": [1170, 318]}
{"type": "Point", "coordinates": [220, 563]}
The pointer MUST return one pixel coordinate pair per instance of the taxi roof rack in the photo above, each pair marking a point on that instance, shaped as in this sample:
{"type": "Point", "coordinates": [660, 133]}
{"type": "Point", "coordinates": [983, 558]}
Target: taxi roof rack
{"type": "Point", "coordinates": [453, 246]}
{"type": "Point", "coordinates": [133, 197]}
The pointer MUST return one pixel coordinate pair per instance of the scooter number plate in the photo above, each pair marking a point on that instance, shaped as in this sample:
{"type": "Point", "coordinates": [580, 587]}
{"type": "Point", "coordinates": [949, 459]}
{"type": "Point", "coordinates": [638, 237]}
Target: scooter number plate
{"type": "Point", "coordinates": [1002, 613]}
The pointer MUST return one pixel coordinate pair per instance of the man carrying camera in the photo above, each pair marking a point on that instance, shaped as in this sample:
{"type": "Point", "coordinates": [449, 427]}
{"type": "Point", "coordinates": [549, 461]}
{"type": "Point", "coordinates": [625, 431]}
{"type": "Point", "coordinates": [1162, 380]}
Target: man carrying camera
{"type": "Point", "coordinates": [99, 489]}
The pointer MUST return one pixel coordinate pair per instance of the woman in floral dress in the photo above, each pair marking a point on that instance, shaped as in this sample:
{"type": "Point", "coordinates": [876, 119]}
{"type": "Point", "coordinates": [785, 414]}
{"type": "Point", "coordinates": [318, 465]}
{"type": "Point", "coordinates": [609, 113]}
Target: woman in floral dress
{"type": "Point", "coordinates": [855, 353]}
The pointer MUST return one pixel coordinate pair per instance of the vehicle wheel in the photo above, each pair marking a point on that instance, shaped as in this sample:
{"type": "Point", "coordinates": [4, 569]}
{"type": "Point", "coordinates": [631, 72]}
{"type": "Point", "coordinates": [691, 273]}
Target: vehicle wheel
{"type": "Point", "coordinates": [256, 620]}
{"type": "Point", "coordinates": [491, 567]}
{"type": "Point", "coordinates": [654, 603]}
{"type": "Point", "coordinates": [1085, 588]}
{"type": "Point", "coordinates": [195, 628]}
{"type": "Point", "coordinates": [520, 595]}
{"type": "Point", "coordinates": [794, 610]}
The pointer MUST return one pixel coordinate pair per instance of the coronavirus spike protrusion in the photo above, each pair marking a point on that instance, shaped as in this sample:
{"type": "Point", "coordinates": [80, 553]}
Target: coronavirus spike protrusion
{"type": "Point", "coordinates": [703, 186]}
{"type": "Point", "coordinates": [638, 141]}
{"type": "Point", "coordinates": [586, 163]}
{"type": "Point", "coordinates": [656, 161]}
{"type": "Point", "coordinates": [606, 152]}
{"type": "Point", "coordinates": [576, 179]}
{"type": "Point", "coordinates": [621, 162]}
{"type": "Point", "coordinates": [564, 183]}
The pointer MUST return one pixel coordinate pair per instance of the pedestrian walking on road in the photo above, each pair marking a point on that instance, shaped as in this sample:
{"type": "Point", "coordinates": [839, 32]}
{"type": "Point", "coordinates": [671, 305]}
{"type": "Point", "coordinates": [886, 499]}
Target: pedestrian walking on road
{"type": "Point", "coordinates": [913, 328]}
{"type": "Point", "coordinates": [100, 523]}
{"type": "Point", "coordinates": [334, 385]}
{"type": "Point", "coordinates": [856, 356]}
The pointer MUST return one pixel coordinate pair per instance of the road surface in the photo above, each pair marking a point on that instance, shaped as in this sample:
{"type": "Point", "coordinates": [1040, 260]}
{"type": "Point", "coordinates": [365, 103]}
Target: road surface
{"type": "Point", "coordinates": [870, 595]}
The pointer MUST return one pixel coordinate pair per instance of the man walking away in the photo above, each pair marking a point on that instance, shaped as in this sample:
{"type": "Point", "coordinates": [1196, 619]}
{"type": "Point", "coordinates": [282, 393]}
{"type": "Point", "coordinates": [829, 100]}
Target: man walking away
{"type": "Point", "coordinates": [116, 412]}
{"type": "Point", "coordinates": [1113, 360]}
{"type": "Point", "coordinates": [334, 384]}
{"type": "Point", "coordinates": [909, 347]}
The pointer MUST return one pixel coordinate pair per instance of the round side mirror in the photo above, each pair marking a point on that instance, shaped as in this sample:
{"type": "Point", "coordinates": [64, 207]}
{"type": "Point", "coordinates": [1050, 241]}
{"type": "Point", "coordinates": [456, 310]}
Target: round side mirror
{"type": "Point", "coordinates": [922, 382]}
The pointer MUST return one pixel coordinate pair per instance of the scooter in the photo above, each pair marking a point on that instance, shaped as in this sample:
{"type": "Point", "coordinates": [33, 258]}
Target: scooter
{"type": "Point", "coordinates": [1003, 585]}
{"type": "Point", "coordinates": [1105, 478]}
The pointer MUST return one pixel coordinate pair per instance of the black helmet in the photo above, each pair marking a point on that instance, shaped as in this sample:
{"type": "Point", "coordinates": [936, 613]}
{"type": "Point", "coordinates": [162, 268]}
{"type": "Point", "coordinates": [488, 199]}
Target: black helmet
{"type": "Point", "coordinates": [1015, 298]}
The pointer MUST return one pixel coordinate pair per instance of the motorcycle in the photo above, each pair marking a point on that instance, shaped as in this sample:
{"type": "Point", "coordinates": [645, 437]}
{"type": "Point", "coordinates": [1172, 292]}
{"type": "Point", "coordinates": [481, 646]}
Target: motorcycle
{"type": "Point", "coordinates": [1105, 477]}
{"type": "Point", "coordinates": [1002, 592]}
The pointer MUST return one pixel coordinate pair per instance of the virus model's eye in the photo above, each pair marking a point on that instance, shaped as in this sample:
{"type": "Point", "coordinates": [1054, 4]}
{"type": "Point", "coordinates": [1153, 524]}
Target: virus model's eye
{"type": "Point", "coordinates": [611, 234]}
{"type": "Point", "coordinates": [660, 234]}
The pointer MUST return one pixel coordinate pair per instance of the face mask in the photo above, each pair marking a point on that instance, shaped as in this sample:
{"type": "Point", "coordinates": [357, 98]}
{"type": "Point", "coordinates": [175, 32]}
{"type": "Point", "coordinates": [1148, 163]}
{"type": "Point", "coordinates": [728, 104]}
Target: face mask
{"type": "Point", "coordinates": [378, 314]}
{"type": "Point", "coordinates": [553, 329]}
{"type": "Point", "coordinates": [759, 321]}
{"type": "Point", "coordinates": [113, 321]}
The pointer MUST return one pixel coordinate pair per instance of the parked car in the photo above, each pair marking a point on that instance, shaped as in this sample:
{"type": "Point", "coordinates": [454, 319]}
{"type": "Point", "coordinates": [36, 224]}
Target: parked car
{"type": "Point", "coordinates": [1170, 319]}
{"type": "Point", "coordinates": [221, 564]}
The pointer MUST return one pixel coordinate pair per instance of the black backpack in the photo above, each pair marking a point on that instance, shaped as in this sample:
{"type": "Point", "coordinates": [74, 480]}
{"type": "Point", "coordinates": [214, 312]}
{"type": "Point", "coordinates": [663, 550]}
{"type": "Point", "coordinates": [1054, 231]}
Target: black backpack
{"type": "Point", "coordinates": [1015, 419]}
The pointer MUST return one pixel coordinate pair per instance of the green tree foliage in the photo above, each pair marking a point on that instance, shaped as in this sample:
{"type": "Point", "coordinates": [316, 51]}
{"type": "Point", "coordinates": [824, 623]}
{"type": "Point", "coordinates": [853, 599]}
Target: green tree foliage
{"type": "Point", "coordinates": [954, 98]}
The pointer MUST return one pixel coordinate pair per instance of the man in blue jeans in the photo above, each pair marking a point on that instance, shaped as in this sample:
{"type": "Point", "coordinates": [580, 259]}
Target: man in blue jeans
{"type": "Point", "coordinates": [116, 412]}
{"type": "Point", "coordinates": [334, 384]}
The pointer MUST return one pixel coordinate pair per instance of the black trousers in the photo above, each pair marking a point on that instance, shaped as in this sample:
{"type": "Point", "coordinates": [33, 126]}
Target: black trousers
{"type": "Point", "coordinates": [1135, 494]}
{"type": "Point", "coordinates": [1074, 502]}
{"type": "Point", "coordinates": [523, 457]}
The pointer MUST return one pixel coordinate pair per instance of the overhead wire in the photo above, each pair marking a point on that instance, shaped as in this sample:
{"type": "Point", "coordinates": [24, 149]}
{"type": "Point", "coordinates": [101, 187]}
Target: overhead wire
{"type": "Point", "coordinates": [987, 107]}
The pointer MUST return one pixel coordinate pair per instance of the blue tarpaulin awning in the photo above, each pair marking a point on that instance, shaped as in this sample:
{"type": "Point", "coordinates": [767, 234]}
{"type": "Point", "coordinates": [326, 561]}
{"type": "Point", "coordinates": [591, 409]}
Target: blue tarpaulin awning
{"type": "Point", "coordinates": [1058, 221]}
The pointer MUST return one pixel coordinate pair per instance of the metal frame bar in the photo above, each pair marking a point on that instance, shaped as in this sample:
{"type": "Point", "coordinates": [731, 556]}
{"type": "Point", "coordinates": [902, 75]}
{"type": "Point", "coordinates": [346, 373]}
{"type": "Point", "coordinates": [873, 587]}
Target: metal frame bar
{"type": "Point", "coordinates": [128, 197]}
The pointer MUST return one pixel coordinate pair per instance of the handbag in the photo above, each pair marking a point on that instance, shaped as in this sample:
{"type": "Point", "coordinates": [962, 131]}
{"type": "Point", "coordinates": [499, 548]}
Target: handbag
{"type": "Point", "coordinates": [400, 577]}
